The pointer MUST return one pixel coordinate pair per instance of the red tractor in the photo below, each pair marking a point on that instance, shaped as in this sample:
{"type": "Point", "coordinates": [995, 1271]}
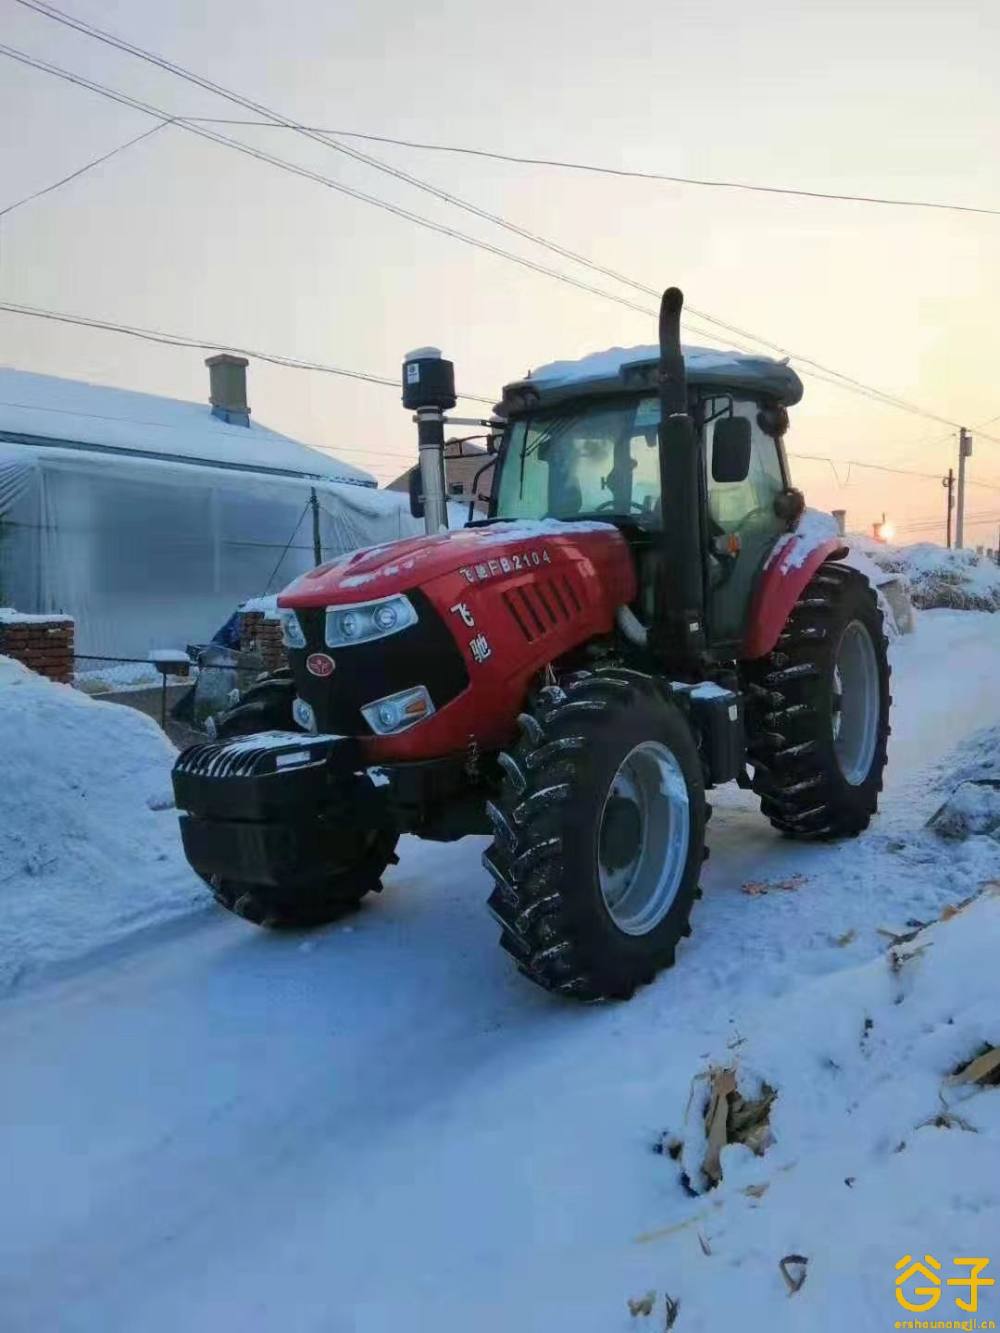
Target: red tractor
{"type": "Point", "coordinates": [646, 612]}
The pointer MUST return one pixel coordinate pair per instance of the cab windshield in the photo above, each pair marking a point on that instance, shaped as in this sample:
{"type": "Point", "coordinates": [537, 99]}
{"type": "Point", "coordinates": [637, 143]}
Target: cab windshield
{"type": "Point", "coordinates": [599, 459]}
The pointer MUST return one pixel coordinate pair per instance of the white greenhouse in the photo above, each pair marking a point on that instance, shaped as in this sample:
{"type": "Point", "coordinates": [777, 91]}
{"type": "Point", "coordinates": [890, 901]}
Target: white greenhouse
{"type": "Point", "coordinates": [149, 520]}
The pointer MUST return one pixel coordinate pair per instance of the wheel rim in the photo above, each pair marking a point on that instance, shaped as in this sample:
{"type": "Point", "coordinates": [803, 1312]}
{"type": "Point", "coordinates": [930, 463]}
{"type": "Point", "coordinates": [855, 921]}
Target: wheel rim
{"type": "Point", "coordinates": [643, 838]}
{"type": "Point", "coordinates": [856, 703]}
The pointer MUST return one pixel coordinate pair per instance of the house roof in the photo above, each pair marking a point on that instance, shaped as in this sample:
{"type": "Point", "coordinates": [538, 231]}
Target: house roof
{"type": "Point", "coordinates": [39, 409]}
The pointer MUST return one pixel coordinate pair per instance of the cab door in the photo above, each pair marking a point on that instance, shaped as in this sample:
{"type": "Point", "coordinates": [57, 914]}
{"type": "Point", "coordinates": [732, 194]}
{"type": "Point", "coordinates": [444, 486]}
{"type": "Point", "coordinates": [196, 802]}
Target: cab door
{"type": "Point", "coordinates": [741, 517]}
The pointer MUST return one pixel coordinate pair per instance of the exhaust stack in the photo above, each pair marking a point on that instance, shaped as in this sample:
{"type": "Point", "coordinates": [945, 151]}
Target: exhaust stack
{"type": "Point", "coordinates": [680, 622]}
{"type": "Point", "coordinates": [429, 391]}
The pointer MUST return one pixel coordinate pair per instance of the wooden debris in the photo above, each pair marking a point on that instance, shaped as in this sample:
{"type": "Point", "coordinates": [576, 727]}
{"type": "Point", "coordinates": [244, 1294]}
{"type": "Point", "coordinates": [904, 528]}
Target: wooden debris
{"type": "Point", "coordinates": [948, 1120]}
{"type": "Point", "coordinates": [731, 1118]}
{"type": "Point", "coordinates": [848, 937]}
{"type": "Point", "coordinates": [645, 1237]}
{"type": "Point", "coordinates": [756, 1191]}
{"type": "Point", "coordinates": [984, 1069]}
{"type": "Point", "coordinates": [793, 1270]}
{"type": "Point", "coordinates": [672, 1311]}
{"type": "Point", "coordinates": [723, 1083]}
{"type": "Point", "coordinates": [758, 888]}
{"type": "Point", "coordinates": [954, 909]}
{"type": "Point", "coordinates": [899, 936]}
{"type": "Point", "coordinates": [643, 1305]}
{"type": "Point", "coordinates": [897, 957]}
{"type": "Point", "coordinates": [703, 1242]}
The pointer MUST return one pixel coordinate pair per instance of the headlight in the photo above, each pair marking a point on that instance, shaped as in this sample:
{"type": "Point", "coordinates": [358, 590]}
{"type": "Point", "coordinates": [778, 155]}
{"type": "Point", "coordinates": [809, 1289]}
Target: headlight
{"type": "Point", "coordinates": [291, 630]}
{"type": "Point", "coordinates": [397, 712]}
{"type": "Point", "coordinates": [364, 621]}
{"type": "Point", "coordinates": [304, 715]}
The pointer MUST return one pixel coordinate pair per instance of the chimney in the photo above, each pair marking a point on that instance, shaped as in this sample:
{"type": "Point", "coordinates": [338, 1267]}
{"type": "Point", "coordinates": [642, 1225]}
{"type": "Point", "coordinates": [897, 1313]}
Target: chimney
{"type": "Point", "coordinates": [228, 388]}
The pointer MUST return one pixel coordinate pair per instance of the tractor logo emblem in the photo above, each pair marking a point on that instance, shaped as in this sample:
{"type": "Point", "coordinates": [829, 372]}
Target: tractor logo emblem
{"type": "Point", "coordinates": [320, 664]}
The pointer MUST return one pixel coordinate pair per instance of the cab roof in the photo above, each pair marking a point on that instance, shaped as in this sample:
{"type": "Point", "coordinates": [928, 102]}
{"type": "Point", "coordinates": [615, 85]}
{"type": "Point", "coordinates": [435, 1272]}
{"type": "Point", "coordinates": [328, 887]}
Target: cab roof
{"type": "Point", "coordinates": [627, 369]}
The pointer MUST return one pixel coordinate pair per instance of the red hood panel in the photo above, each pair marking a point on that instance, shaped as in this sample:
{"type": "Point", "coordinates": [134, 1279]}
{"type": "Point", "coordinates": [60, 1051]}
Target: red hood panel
{"type": "Point", "coordinates": [378, 571]}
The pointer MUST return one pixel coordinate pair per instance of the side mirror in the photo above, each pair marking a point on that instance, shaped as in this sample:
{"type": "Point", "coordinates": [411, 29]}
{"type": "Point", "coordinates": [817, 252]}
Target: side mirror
{"type": "Point", "coordinates": [416, 492]}
{"type": "Point", "coordinates": [731, 449]}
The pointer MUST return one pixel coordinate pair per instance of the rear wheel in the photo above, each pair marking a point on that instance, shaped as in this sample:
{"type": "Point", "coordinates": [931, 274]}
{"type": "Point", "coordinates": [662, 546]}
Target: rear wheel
{"type": "Point", "coordinates": [820, 711]}
{"type": "Point", "coordinates": [599, 840]}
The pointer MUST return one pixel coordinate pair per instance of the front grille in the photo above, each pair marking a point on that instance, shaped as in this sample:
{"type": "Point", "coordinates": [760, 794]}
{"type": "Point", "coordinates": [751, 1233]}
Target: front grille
{"type": "Point", "coordinates": [539, 607]}
{"type": "Point", "coordinates": [422, 654]}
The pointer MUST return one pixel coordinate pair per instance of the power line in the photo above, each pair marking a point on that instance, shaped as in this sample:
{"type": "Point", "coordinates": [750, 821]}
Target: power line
{"type": "Point", "coordinates": [295, 363]}
{"type": "Point", "coordinates": [856, 462]}
{"type": "Point", "coordinates": [203, 345]}
{"type": "Point", "coordinates": [81, 171]}
{"type": "Point", "coordinates": [79, 25]}
{"type": "Point", "coordinates": [595, 169]}
{"type": "Point", "coordinates": [980, 516]}
{"type": "Point", "coordinates": [137, 105]}
{"type": "Point", "coordinates": [288, 544]}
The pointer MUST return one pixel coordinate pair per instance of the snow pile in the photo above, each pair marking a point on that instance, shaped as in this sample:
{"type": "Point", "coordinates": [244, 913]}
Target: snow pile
{"type": "Point", "coordinates": [876, 1137]}
{"type": "Point", "coordinates": [89, 846]}
{"type": "Point", "coordinates": [936, 576]}
{"type": "Point", "coordinates": [972, 808]}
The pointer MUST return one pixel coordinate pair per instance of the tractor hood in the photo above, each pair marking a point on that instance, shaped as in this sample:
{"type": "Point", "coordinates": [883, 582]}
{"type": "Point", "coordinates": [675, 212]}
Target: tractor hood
{"type": "Point", "coordinates": [476, 553]}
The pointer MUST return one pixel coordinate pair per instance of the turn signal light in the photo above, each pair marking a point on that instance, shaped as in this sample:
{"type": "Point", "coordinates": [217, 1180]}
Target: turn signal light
{"type": "Point", "coordinates": [397, 712]}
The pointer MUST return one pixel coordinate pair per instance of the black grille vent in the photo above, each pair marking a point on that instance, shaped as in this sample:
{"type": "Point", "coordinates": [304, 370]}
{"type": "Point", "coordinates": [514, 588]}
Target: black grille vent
{"type": "Point", "coordinates": [252, 756]}
{"type": "Point", "coordinates": [539, 607]}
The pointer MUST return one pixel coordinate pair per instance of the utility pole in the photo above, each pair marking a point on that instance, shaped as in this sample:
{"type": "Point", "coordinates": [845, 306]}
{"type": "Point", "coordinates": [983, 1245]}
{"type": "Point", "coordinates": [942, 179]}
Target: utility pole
{"type": "Point", "coordinates": [964, 452]}
{"type": "Point", "coordinates": [948, 483]}
{"type": "Point", "coordinates": [317, 544]}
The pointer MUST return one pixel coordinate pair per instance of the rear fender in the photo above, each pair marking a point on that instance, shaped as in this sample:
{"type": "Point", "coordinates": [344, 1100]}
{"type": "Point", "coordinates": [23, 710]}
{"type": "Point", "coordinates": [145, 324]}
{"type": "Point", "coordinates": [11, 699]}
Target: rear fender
{"type": "Point", "coordinates": [788, 569]}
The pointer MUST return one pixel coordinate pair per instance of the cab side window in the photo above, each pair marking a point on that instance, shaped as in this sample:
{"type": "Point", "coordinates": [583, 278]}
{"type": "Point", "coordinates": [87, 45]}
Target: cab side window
{"type": "Point", "coordinates": [746, 506]}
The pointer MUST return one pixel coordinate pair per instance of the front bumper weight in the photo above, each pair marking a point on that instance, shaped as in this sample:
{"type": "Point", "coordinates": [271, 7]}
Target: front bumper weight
{"type": "Point", "coordinates": [274, 808]}
{"type": "Point", "coordinates": [273, 775]}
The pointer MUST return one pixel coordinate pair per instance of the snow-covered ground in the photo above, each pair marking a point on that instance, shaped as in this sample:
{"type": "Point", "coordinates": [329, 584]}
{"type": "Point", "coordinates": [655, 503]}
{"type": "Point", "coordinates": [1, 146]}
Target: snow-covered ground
{"type": "Point", "coordinates": [381, 1126]}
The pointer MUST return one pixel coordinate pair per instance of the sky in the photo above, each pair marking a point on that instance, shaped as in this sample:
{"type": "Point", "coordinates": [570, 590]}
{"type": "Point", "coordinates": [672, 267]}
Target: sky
{"type": "Point", "coordinates": [177, 234]}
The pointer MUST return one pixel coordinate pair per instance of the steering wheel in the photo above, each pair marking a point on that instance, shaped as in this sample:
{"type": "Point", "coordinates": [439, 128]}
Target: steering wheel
{"type": "Point", "coordinates": [610, 504]}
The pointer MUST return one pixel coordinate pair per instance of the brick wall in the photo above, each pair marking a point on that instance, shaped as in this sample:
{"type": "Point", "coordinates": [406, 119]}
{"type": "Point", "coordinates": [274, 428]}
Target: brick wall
{"type": "Point", "coordinates": [44, 645]}
{"type": "Point", "coordinates": [262, 637]}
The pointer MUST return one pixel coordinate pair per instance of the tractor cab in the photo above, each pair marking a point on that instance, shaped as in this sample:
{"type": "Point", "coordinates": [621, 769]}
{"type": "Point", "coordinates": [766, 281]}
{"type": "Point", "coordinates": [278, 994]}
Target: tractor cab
{"type": "Point", "coordinates": [582, 441]}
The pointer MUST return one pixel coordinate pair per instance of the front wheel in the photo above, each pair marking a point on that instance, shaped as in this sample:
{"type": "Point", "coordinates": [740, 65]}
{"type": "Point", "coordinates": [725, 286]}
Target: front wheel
{"type": "Point", "coordinates": [600, 831]}
{"type": "Point", "coordinates": [820, 711]}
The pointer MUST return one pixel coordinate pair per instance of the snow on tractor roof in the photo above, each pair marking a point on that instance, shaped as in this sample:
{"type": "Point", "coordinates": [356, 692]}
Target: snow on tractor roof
{"type": "Point", "coordinates": [622, 368]}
